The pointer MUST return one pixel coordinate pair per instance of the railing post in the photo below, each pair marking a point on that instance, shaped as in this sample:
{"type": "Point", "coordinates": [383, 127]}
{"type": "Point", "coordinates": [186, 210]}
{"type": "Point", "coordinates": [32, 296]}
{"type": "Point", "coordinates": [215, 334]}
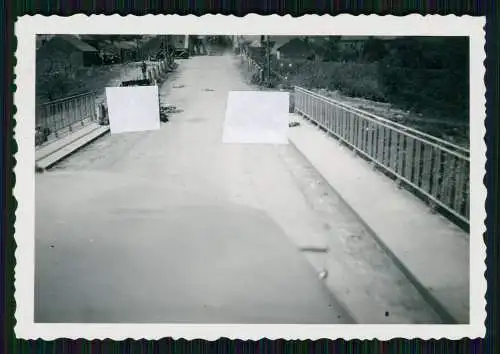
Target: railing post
{"type": "Point", "coordinates": [75, 116]}
{"type": "Point", "coordinates": [93, 105]}
{"type": "Point", "coordinates": [80, 110]}
{"type": "Point", "coordinates": [67, 109]}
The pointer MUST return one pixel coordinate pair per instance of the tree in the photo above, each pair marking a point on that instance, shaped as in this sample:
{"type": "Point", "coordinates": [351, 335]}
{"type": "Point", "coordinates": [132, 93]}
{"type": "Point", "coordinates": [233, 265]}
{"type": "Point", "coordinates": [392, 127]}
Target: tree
{"type": "Point", "coordinates": [326, 48]}
{"type": "Point", "coordinates": [55, 76]}
{"type": "Point", "coordinates": [374, 49]}
{"type": "Point", "coordinates": [428, 73]}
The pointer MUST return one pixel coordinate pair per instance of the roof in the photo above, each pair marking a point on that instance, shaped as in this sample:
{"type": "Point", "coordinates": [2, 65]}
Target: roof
{"type": "Point", "coordinates": [77, 43]}
{"type": "Point", "coordinates": [108, 48]}
{"type": "Point", "coordinates": [124, 45]}
{"type": "Point", "coordinates": [295, 45]}
{"type": "Point", "coordinates": [364, 38]}
{"type": "Point", "coordinates": [88, 37]}
{"type": "Point", "coordinates": [249, 38]}
{"type": "Point", "coordinates": [354, 38]}
{"type": "Point", "coordinates": [279, 41]}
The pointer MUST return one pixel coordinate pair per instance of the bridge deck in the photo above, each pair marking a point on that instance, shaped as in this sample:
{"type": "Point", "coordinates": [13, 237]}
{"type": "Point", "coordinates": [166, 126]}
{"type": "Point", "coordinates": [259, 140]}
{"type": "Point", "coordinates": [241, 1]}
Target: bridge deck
{"type": "Point", "coordinates": [431, 250]}
{"type": "Point", "coordinates": [174, 226]}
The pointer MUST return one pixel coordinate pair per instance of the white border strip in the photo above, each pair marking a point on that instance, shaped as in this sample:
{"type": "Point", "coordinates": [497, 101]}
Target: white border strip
{"type": "Point", "coordinates": [413, 25]}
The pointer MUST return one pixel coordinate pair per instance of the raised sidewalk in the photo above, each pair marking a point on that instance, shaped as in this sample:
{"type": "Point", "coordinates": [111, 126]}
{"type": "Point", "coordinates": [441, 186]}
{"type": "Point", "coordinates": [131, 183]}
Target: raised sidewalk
{"type": "Point", "coordinates": [431, 251]}
{"type": "Point", "coordinates": [48, 155]}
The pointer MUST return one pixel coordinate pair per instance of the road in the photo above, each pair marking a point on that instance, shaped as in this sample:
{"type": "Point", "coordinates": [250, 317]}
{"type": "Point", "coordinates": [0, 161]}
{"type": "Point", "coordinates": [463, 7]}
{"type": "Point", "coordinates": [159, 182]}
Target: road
{"type": "Point", "coordinates": [174, 226]}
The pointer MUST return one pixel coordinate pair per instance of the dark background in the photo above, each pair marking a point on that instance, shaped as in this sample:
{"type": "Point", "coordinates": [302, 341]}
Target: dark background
{"type": "Point", "coordinates": [12, 9]}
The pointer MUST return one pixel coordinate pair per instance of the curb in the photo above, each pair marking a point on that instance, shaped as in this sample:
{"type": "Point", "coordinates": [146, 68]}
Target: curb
{"type": "Point", "coordinates": [427, 296]}
{"type": "Point", "coordinates": [67, 150]}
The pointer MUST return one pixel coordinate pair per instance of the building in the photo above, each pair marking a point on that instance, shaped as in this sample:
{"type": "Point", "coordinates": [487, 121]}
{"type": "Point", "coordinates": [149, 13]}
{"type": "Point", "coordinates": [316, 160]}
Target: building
{"type": "Point", "coordinates": [277, 42]}
{"type": "Point", "coordinates": [66, 52]}
{"type": "Point", "coordinates": [128, 50]}
{"type": "Point", "coordinates": [295, 48]}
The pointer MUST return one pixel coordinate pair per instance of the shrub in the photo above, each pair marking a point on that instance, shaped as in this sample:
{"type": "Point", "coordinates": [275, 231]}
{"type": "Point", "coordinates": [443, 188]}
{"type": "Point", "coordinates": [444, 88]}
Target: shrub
{"type": "Point", "coordinates": [352, 79]}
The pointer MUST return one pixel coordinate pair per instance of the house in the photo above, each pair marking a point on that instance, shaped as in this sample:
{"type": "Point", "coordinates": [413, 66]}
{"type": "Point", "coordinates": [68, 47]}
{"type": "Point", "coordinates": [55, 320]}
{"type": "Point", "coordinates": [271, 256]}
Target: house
{"type": "Point", "coordinates": [277, 42]}
{"type": "Point", "coordinates": [93, 40]}
{"type": "Point", "coordinates": [128, 50]}
{"type": "Point", "coordinates": [66, 52]}
{"type": "Point", "coordinates": [179, 41]}
{"type": "Point", "coordinates": [295, 48]}
{"type": "Point", "coordinates": [154, 45]}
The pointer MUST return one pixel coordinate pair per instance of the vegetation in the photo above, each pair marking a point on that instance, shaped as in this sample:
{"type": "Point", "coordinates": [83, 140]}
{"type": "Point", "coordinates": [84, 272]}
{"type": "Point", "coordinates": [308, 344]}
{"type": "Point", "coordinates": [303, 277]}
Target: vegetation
{"type": "Point", "coordinates": [57, 76]}
{"type": "Point", "coordinates": [427, 75]}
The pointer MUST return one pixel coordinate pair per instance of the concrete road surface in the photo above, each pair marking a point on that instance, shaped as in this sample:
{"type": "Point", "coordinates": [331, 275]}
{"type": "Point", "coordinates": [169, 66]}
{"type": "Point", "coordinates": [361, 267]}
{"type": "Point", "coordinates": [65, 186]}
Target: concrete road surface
{"type": "Point", "coordinates": [174, 226]}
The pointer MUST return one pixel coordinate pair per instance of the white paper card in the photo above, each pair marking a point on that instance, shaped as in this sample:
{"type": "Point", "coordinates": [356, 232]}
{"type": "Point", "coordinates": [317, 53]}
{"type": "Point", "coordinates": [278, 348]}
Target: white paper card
{"type": "Point", "coordinates": [133, 109]}
{"type": "Point", "coordinates": [256, 117]}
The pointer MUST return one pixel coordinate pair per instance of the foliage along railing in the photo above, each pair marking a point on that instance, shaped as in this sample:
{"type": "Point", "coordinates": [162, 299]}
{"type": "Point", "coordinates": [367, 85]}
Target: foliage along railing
{"type": "Point", "coordinates": [66, 112]}
{"type": "Point", "coordinates": [436, 169]}
{"type": "Point", "coordinates": [256, 69]}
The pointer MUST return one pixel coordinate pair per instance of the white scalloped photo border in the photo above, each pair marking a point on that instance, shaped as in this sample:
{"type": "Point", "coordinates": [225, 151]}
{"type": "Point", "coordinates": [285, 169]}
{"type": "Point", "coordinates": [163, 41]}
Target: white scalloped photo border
{"type": "Point", "coordinates": [26, 29]}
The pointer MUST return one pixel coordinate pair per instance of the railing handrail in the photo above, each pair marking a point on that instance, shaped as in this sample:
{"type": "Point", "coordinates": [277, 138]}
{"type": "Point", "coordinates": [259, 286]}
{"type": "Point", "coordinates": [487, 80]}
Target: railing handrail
{"type": "Point", "coordinates": [391, 124]}
{"type": "Point", "coordinates": [387, 124]}
{"type": "Point", "coordinates": [69, 98]}
{"type": "Point", "coordinates": [438, 173]}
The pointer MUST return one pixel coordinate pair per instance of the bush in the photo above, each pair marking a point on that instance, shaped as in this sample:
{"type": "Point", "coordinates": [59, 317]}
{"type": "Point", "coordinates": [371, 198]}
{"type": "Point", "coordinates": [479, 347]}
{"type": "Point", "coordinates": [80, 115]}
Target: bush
{"type": "Point", "coordinates": [429, 75]}
{"type": "Point", "coordinates": [427, 90]}
{"type": "Point", "coordinates": [352, 79]}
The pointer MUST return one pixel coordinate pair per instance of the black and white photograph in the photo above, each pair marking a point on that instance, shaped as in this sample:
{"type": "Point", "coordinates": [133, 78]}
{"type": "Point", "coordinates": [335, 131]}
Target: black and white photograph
{"type": "Point", "coordinates": [212, 178]}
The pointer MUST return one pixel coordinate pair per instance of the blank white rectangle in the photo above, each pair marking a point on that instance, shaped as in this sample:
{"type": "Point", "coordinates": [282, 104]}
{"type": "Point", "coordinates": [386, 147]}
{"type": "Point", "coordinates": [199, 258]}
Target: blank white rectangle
{"type": "Point", "coordinates": [133, 109]}
{"type": "Point", "coordinates": [256, 117]}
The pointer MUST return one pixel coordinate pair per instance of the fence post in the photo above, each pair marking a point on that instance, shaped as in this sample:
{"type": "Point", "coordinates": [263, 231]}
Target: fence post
{"type": "Point", "coordinates": [54, 119]}
{"type": "Point", "coordinates": [75, 114]}
{"type": "Point", "coordinates": [80, 110]}
{"type": "Point", "coordinates": [65, 113]}
{"type": "Point", "coordinates": [93, 106]}
{"type": "Point", "coordinates": [39, 117]}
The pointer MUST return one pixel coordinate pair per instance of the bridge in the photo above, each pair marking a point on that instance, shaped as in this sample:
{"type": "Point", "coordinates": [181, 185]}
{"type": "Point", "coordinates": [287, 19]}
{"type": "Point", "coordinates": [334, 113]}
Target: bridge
{"type": "Point", "coordinates": [357, 220]}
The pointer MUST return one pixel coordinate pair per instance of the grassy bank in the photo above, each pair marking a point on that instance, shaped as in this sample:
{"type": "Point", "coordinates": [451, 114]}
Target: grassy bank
{"type": "Point", "coordinates": [352, 79]}
{"type": "Point", "coordinates": [425, 100]}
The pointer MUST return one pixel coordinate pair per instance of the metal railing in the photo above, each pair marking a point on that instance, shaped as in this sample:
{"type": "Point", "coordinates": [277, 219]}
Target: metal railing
{"type": "Point", "coordinates": [256, 71]}
{"type": "Point", "coordinates": [155, 72]}
{"type": "Point", "coordinates": [253, 71]}
{"type": "Point", "coordinates": [66, 112]}
{"type": "Point", "coordinates": [436, 169]}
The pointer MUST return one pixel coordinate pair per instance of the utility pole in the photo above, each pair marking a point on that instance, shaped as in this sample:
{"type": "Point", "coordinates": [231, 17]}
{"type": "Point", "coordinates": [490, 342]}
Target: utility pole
{"type": "Point", "coordinates": [137, 55]}
{"type": "Point", "coordinates": [268, 54]}
{"type": "Point", "coordinates": [164, 47]}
